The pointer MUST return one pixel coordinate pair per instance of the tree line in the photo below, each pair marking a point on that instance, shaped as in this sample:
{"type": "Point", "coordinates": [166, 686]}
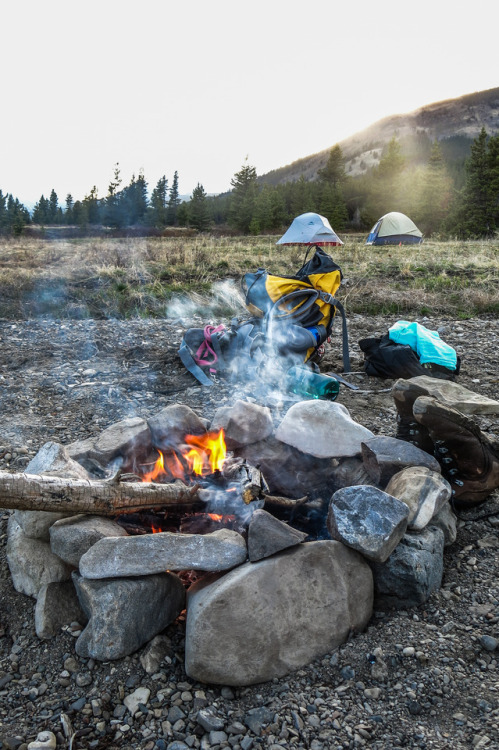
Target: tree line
{"type": "Point", "coordinates": [442, 198]}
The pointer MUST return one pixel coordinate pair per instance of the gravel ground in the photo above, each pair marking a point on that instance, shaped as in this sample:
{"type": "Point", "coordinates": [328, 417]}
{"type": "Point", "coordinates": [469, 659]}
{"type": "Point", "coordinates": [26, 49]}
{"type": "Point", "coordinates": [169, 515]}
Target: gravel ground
{"type": "Point", "coordinates": [425, 678]}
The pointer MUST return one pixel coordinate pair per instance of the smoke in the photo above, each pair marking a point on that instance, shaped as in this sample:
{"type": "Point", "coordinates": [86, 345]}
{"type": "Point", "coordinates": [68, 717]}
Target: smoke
{"type": "Point", "coordinates": [224, 300]}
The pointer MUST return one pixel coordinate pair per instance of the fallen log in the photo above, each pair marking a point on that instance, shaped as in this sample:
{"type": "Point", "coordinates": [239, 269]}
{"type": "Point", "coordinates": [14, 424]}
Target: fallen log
{"type": "Point", "coordinates": [100, 497]}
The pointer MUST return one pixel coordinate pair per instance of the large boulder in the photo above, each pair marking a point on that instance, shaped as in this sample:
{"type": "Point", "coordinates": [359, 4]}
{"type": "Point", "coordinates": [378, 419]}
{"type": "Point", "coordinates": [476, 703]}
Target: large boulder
{"type": "Point", "coordinates": [265, 619]}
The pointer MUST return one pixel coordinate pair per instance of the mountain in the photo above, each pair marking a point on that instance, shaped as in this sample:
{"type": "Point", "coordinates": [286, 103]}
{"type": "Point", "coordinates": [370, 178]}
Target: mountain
{"type": "Point", "coordinates": [453, 122]}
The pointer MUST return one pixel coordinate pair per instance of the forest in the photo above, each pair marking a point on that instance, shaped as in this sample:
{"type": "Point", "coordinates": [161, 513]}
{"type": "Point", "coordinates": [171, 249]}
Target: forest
{"type": "Point", "coordinates": [449, 188]}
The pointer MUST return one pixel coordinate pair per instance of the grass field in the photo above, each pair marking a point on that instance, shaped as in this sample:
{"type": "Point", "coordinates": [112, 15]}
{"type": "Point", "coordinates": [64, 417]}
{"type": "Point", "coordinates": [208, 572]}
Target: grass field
{"type": "Point", "coordinates": [103, 278]}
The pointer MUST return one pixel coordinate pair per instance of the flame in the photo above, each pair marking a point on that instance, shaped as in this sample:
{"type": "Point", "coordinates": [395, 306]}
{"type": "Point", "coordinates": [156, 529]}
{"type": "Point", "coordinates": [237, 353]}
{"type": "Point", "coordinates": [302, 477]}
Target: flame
{"type": "Point", "coordinates": [208, 452]}
{"type": "Point", "coordinates": [206, 455]}
{"type": "Point", "coordinates": [215, 516]}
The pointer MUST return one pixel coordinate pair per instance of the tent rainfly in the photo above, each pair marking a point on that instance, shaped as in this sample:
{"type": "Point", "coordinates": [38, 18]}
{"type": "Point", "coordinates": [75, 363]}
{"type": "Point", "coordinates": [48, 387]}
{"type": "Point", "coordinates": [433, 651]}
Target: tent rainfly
{"type": "Point", "coordinates": [310, 229]}
{"type": "Point", "coordinates": [394, 229]}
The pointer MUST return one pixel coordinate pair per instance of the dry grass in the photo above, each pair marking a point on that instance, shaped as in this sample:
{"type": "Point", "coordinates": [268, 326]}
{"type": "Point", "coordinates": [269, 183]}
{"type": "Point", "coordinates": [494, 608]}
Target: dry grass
{"type": "Point", "coordinates": [97, 277]}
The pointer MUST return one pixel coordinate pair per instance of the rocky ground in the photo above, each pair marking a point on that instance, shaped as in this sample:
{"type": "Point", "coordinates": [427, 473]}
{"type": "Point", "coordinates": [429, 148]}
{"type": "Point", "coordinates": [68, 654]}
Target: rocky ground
{"type": "Point", "coordinates": [424, 678]}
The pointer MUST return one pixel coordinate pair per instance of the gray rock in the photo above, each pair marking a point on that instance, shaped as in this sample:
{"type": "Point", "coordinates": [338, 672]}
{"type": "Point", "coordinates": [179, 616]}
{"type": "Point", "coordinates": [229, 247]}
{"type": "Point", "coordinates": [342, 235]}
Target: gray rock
{"type": "Point", "coordinates": [271, 607]}
{"type": "Point", "coordinates": [367, 520]}
{"type": "Point", "coordinates": [323, 429]}
{"type": "Point", "coordinates": [243, 423]}
{"type": "Point", "coordinates": [456, 396]}
{"type": "Point", "coordinates": [32, 563]}
{"type": "Point", "coordinates": [210, 722]}
{"type": "Point", "coordinates": [153, 553]}
{"type": "Point", "coordinates": [488, 642]}
{"type": "Point", "coordinates": [412, 572]}
{"type": "Point", "coordinates": [132, 701]}
{"type": "Point", "coordinates": [423, 491]}
{"type": "Point", "coordinates": [128, 438]}
{"type": "Point", "coordinates": [267, 535]}
{"type": "Point", "coordinates": [154, 653]}
{"type": "Point", "coordinates": [170, 426]}
{"type": "Point", "coordinates": [53, 459]}
{"type": "Point", "coordinates": [304, 473]}
{"type": "Point", "coordinates": [125, 613]}
{"type": "Point", "coordinates": [385, 456]}
{"type": "Point", "coordinates": [36, 524]}
{"type": "Point", "coordinates": [446, 520]}
{"type": "Point", "coordinates": [72, 537]}
{"type": "Point", "coordinates": [57, 605]}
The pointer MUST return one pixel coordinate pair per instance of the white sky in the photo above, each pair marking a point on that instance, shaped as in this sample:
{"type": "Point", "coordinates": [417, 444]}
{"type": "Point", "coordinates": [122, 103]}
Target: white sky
{"type": "Point", "coordinates": [199, 85]}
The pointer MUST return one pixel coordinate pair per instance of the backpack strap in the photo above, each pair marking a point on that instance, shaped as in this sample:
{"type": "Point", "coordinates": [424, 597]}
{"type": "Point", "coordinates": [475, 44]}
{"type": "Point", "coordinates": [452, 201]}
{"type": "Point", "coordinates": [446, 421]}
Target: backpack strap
{"type": "Point", "coordinates": [185, 355]}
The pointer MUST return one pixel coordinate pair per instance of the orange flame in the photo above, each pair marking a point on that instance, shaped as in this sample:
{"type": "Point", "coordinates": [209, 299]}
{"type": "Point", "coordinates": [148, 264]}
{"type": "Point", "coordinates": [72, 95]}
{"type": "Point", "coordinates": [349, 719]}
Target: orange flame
{"type": "Point", "coordinates": [206, 455]}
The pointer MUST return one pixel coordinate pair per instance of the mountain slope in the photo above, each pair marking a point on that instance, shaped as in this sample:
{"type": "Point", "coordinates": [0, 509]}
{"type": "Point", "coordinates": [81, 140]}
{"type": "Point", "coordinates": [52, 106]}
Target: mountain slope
{"type": "Point", "coordinates": [459, 120]}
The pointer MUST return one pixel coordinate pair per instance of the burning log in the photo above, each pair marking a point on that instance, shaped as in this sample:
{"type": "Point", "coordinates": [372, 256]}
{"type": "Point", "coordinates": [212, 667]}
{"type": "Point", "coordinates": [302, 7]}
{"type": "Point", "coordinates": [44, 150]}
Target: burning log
{"type": "Point", "coordinates": [105, 498]}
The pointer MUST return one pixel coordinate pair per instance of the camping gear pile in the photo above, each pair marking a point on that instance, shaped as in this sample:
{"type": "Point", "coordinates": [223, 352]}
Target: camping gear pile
{"type": "Point", "coordinates": [292, 316]}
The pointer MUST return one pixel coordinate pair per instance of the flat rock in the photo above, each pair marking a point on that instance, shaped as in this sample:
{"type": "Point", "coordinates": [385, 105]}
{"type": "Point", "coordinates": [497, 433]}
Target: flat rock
{"type": "Point", "coordinates": [445, 519]}
{"type": "Point", "coordinates": [71, 537]}
{"type": "Point", "coordinates": [57, 605]}
{"type": "Point", "coordinates": [367, 520]}
{"type": "Point", "coordinates": [412, 572]}
{"type": "Point", "coordinates": [154, 653]}
{"type": "Point", "coordinates": [385, 456]}
{"type": "Point", "coordinates": [125, 613]}
{"type": "Point", "coordinates": [456, 396]}
{"type": "Point", "coordinates": [423, 491]}
{"type": "Point", "coordinates": [265, 619]}
{"type": "Point", "coordinates": [243, 423]}
{"type": "Point", "coordinates": [153, 553]}
{"type": "Point", "coordinates": [267, 535]}
{"type": "Point", "coordinates": [31, 561]}
{"type": "Point", "coordinates": [322, 428]}
{"type": "Point", "coordinates": [128, 438]}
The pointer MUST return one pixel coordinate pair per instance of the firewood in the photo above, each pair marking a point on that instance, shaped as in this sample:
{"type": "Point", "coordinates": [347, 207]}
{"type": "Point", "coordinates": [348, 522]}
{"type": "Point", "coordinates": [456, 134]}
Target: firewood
{"type": "Point", "coordinates": [100, 497]}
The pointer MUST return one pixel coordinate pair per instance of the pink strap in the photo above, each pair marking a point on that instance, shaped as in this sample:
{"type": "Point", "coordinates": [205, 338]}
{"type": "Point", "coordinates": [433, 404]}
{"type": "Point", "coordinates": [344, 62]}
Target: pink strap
{"type": "Point", "coordinates": [206, 349]}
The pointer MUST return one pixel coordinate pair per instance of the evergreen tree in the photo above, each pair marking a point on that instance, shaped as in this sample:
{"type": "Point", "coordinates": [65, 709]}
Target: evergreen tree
{"type": "Point", "coordinates": [173, 203]}
{"type": "Point", "coordinates": [114, 201]}
{"type": "Point", "coordinates": [80, 214]}
{"type": "Point", "coordinates": [243, 198]}
{"type": "Point", "coordinates": [68, 215]}
{"type": "Point", "coordinates": [301, 198]}
{"type": "Point", "coordinates": [3, 213]}
{"type": "Point", "coordinates": [93, 207]}
{"type": "Point", "coordinates": [41, 212]}
{"type": "Point", "coordinates": [334, 171]}
{"type": "Point", "coordinates": [159, 203]}
{"type": "Point", "coordinates": [493, 160]}
{"type": "Point", "coordinates": [53, 206]}
{"type": "Point", "coordinates": [476, 212]}
{"type": "Point", "coordinates": [199, 212]}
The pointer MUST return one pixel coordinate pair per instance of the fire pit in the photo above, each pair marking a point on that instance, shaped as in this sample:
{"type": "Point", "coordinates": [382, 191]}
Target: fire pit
{"type": "Point", "coordinates": [157, 504]}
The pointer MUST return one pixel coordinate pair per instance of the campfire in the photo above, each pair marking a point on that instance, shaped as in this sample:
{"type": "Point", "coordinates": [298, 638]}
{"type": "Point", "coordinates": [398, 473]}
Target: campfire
{"type": "Point", "coordinates": [203, 455]}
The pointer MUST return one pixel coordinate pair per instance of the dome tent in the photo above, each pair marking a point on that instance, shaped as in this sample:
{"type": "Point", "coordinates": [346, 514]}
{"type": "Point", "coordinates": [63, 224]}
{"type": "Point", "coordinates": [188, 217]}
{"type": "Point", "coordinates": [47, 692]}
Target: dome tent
{"type": "Point", "coordinates": [394, 229]}
{"type": "Point", "coordinates": [310, 229]}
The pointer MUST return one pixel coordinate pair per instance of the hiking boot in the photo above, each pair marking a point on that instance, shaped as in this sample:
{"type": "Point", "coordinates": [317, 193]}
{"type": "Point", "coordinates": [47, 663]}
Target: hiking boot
{"type": "Point", "coordinates": [469, 459]}
{"type": "Point", "coordinates": [404, 393]}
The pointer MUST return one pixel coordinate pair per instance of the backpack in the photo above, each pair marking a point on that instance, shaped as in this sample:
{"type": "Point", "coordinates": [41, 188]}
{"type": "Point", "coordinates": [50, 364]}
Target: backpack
{"type": "Point", "coordinates": [384, 358]}
{"type": "Point", "coordinates": [292, 318]}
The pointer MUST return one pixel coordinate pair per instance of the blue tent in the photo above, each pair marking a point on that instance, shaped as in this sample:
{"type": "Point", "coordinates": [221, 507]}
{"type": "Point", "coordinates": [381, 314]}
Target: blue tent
{"type": "Point", "coordinates": [394, 229]}
{"type": "Point", "coordinates": [310, 229]}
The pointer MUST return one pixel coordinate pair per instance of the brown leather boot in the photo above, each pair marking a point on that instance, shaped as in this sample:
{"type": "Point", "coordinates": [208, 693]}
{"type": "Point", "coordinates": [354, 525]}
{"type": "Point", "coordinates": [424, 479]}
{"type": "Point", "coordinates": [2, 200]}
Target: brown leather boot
{"type": "Point", "coordinates": [404, 393]}
{"type": "Point", "coordinates": [469, 459]}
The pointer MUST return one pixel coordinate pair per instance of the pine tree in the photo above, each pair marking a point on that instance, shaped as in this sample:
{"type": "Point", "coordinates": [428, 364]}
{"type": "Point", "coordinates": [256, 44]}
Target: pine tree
{"type": "Point", "coordinates": [476, 213]}
{"type": "Point", "coordinates": [173, 203]}
{"type": "Point", "coordinates": [68, 215]}
{"type": "Point", "coordinates": [114, 201]}
{"type": "Point", "coordinates": [243, 198]}
{"type": "Point", "coordinates": [199, 212]}
{"type": "Point", "coordinates": [41, 211]}
{"type": "Point", "coordinates": [334, 171]}
{"type": "Point", "coordinates": [53, 206]}
{"type": "Point", "coordinates": [159, 203]}
{"type": "Point", "coordinates": [93, 207]}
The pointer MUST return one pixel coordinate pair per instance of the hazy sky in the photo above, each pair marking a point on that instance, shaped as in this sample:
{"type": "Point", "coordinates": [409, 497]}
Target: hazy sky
{"type": "Point", "coordinates": [199, 85]}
